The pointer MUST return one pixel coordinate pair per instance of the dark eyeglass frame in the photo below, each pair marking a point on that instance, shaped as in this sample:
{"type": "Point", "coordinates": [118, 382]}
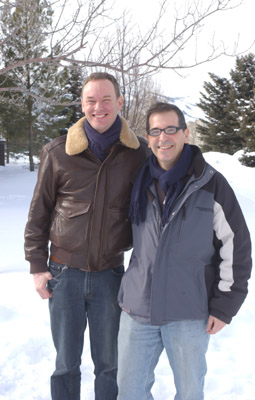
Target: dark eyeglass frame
{"type": "Point", "coordinates": [169, 130]}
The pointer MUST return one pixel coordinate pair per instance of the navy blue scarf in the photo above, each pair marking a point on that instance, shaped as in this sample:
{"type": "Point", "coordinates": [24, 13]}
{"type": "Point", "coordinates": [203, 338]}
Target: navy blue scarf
{"type": "Point", "coordinates": [99, 142]}
{"type": "Point", "coordinates": [171, 182]}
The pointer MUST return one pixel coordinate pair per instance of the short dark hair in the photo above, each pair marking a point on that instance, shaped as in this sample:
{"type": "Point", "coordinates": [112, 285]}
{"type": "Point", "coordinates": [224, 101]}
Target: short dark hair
{"type": "Point", "coordinates": [95, 76]}
{"type": "Point", "coordinates": [161, 107]}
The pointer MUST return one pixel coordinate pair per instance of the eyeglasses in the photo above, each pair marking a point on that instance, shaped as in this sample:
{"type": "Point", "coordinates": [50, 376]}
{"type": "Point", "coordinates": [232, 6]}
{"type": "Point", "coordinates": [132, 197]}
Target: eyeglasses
{"type": "Point", "coordinates": [170, 130]}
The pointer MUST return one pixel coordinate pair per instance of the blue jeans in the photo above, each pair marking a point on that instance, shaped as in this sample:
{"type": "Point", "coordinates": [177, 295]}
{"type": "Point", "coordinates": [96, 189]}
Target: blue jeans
{"type": "Point", "coordinates": [78, 297]}
{"type": "Point", "coordinates": [140, 346]}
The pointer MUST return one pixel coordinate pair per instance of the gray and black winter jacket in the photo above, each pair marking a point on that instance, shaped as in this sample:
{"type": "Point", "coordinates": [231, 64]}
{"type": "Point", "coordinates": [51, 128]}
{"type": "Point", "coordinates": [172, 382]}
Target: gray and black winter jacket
{"type": "Point", "coordinates": [198, 263]}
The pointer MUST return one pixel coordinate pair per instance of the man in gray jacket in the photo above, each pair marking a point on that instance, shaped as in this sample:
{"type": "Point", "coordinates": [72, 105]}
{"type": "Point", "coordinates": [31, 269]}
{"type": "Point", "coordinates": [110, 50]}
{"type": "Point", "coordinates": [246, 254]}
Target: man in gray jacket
{"type": "Point", "coordinates": [190, 265]}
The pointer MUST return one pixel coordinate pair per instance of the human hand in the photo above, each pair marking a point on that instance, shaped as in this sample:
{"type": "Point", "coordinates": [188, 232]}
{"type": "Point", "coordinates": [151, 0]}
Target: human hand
{"type": "Point", "coordinates": [214, 325]}
{"type": "Point", "coordinates": [40, 280]}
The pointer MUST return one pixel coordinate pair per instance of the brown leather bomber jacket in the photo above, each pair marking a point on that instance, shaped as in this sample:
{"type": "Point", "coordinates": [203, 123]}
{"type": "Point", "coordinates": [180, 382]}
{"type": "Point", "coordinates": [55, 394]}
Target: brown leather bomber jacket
{"type": "Point", "coordinates": [80, 205]}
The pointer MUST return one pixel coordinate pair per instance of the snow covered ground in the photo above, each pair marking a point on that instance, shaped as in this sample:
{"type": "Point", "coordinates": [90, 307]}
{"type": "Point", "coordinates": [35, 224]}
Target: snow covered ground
{"type": "Point", "coordinates": [26, 350]}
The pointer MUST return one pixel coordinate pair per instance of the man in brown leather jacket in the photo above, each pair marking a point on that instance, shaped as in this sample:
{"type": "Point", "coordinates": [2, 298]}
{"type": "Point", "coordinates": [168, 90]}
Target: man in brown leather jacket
{"type": "Point", "coordinates": [77, 231]}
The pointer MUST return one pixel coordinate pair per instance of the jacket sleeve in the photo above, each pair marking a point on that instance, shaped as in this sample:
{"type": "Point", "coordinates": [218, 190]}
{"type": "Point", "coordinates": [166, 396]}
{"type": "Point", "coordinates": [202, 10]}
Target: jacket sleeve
{"type": "Point", "coordinates": [234, 253]}
{"type": "Point", "coordinates": [39, 218]}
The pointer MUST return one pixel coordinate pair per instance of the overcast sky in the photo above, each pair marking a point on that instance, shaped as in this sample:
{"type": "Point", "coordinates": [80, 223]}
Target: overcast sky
{"type": "Point", "coordinates": [228, 27]}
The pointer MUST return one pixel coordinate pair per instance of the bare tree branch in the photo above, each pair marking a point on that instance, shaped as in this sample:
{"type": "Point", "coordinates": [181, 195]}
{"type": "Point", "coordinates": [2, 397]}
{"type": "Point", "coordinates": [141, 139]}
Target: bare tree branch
{"type": "Point", "coordinates": [87, 37]}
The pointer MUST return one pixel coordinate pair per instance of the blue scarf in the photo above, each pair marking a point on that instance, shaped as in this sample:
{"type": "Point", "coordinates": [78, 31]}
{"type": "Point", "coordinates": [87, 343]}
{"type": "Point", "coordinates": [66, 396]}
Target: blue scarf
{"type": "Point", "coordinates": [171, 182]}
{"type": "Point", "coordinates": [99, 142]}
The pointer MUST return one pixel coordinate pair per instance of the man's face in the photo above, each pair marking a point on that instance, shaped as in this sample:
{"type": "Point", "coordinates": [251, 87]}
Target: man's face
{"type": "Point", "coordinates": [100, 104]}
{"type": "Point", "coordinates": [167, 148]}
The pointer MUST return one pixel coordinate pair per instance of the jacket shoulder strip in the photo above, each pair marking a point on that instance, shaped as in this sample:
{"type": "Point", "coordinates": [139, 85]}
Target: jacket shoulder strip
{"type": "Point", "coordinates": [224, 233]}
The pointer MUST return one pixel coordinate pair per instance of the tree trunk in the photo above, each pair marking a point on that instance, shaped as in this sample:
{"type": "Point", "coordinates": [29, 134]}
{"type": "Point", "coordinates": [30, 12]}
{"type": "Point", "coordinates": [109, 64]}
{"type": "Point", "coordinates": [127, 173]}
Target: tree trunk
{"type": "Point", "coordinates": [7, 150]}
{"type": "Point", "coordinates": [30, 144]}
{"type": "Point", "coordinates": [31, 160]}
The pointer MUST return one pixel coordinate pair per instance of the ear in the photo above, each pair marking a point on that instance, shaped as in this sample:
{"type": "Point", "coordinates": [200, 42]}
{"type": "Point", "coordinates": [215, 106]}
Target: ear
{"type": "Point", "coordinates": [147, 137]}
{"type": "Point", "coordinates": [82, 107]}
{"type": "Point", "coordinates": [186, 135]}
{"type": "Point", "coordinates": [120, 102]}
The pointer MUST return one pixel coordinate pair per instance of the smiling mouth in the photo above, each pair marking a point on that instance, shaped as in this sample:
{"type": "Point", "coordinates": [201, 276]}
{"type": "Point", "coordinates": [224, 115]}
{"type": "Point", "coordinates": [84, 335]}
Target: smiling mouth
{"type": "Point", "coordinates": [99, 116]}
{"type": "Point", "coordinates": [165, 147]}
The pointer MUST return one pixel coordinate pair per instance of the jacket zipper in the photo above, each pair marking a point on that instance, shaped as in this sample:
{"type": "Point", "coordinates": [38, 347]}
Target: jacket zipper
{"type": "Point", "coordinates": [94, 210]}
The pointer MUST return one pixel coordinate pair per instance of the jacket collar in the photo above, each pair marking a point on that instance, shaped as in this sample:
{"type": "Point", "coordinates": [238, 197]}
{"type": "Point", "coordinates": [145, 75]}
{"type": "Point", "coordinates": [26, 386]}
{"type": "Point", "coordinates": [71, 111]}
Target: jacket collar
{"type": "Point", "coordinates": [198, 165]}
{"type": "Point", "coordinates": [77, 141]}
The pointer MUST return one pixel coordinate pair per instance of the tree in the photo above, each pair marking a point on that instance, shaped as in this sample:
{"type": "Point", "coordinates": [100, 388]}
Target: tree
{"type": "Point", "coordinates": [11, 123]}
{"type": "Point", "coordinates": [79, 32]}
{"type": "Point", "coordinates": [243, 82]}
{"type": "Point", "coordinates": [73, 87]}
{"type": "Point", "coordinates": [10, 112]}
{"type": "Point", "coordinates": [29, 19]}
{"type": "Point", "coordinates": [229, 107]}
{"type": "Point", "coordinates": [138, 90]}
{"type": "Point", "coordinates": [219, 131]}
{"type": "Point", "coordinates": [83, 34]}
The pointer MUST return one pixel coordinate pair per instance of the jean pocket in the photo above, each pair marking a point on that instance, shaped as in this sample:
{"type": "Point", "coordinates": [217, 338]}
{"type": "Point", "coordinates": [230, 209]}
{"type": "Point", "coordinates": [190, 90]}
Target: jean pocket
{"type": "Point", "coordinates": [57, 271]}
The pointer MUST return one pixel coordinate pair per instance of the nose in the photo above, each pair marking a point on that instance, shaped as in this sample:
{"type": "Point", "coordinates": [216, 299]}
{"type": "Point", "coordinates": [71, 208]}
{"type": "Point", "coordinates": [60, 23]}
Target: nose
{"type": "Point", "coordinates": [98, 105]}
{"type": "Point", "coordinates": [163, 135]}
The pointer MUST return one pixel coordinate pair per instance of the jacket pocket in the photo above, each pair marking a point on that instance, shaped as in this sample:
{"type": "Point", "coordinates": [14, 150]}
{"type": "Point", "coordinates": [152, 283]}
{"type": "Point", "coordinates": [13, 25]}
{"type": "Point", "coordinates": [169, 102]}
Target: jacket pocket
{"type": "Point", "coordinates": [119, 232]}
{"type": "Point", "coordinates": [70, 224]}
{"type": "Point", "coordinates": [184, 291]}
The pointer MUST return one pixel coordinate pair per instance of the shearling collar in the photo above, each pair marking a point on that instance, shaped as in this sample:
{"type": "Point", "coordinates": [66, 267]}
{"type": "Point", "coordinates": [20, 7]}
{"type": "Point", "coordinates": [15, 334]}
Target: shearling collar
{"type": "Point", "coordinates": [77, 141]}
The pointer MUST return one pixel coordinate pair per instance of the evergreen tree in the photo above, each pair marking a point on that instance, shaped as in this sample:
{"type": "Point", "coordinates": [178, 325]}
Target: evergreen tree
{"type": "Point", "coordinates": [243, 83]}
{"type": "Point", "coordinates": [11, 115]}
{"type": "Point", "coordinates": [30, 20]}
{"type": "Point", "coordinates": [219, 130]}
{"type": "Point", "coordinates": [229, 107]}
{"type": "Point", "coordinates": [74, 81]}
{"type": "Point", "coordinates": [11, 127]}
